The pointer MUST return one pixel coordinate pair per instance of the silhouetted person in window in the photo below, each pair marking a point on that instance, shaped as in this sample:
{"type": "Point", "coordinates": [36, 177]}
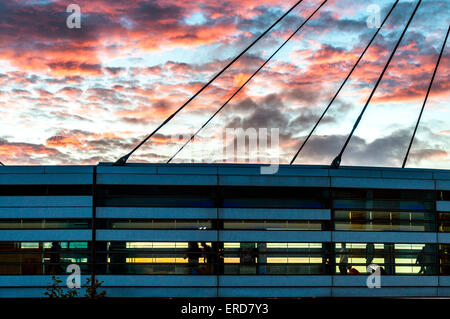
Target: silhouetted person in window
{"type": "Point", "coordinates": [193, 254]}
{"type": "Point", "coordinates": [425, 259]}
{"type": "Point", "coordinates": [343, 260]}
{"type": "Point", "coordinates": [370, 252]}
{"type": "Point", "coordinates": [208, 257]}
{"type": "Point", "coordinates": [55, 259]}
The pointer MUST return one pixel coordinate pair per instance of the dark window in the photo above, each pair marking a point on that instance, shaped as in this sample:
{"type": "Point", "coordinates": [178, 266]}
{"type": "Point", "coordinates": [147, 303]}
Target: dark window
{"type": "Point", "coordinates": [155, 196]}
{"type": "Point", "coordinates": [444, 222]}
{"type": "Point", "coordinates": [275, 197]}
{"type": "Point", "coordinates": [383, 194]}
{"type": "Point", "coordinates": [383, 199]}
{"type": "Point", "coordinates": [444, 195]}
{"type": "Point", "coordinates": [444, 259]}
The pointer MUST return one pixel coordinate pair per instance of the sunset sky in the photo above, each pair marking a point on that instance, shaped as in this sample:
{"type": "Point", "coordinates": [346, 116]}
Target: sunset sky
{"type": "Point", "coordinates": [89, 95]}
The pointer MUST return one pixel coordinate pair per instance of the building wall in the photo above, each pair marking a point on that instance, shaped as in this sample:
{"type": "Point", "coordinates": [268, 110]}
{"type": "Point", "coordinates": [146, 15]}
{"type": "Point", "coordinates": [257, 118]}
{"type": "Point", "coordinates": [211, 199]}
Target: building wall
{"type": "Point", "coordinates": [275, 235]}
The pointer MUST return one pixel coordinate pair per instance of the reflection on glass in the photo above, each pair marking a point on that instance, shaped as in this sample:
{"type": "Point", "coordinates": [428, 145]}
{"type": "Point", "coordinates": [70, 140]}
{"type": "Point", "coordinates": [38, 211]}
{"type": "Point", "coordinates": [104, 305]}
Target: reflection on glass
{"type": "Point", "coordinates": [42, 258]}
{"type": "Point", "coordinates": [188, 224]}
{"type": "Point", "coordinates": [44, 224]}
{"type": "Point", "coordinates": [273, 225]}
{"type": "Point", "coordinates": [393, 259]}
{"type": "Point", "coordinates": [383, 221]}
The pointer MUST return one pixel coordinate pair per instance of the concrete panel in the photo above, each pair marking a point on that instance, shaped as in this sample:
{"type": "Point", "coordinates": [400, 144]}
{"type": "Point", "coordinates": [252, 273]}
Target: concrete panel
{"type": "Point", "coordinates": [157, 235]}
{"type": "Point", "coordinates": [355, 173]}
{"type": "Point", "coordinates": [156, 212]}
{"type": "Point", "coordinates": [22, 293]}
{"type": "Point", "coordinates": [414, 174]}
{"type": "Point", "coordinates": [443, 206]}
{"type": "Point", "coordinates": [187, 170]}
{"type": "Point", "coordinates": [158, 281]}
{"type": "Point", "coordinates": [385, 292]}
{"type": "Point", "coordinates": [297, 171]}
{"type": "Point", "coordinates": [443, 185]}
{"type": "Point", "coordinates": [45, 201]}
{"type": "Point", "coordinates": [384, 237]}
{"type": "Point", "coordinates": [166, 292]}
{"type": "Point", "coordinates": [274, 281]}
{"type": "Point", "coordinates": [46, 235]}
{"type": "Point", "coordinates": [50, 179]}
{"type": "Point", "coordinates": [441, 175]}
{"type": "Point", "coordinates": [382, 183]}
{"type": "Point", "coordinates": [387, 281]}
{"type": "Point", "coordinates": [444, 281]}
{"type": "Point", "coordinates": [443, 238]}
{"type": "Point", "coordinates": [75, 169]}
{"type": "Point", "coordinates": [145, 170]}
{"type": "Point", "coordinates": [268, 213]}
{"type": "Point", "coordinates": [273, 180]}
{"type": "Point", "coordinates": [34, 281]}
{"type": "Point", "coordinates": [274, 292]}
{"type": "Point", "coordinates": [244, 170]}
{"type": "Point", "coordinates": [444, 292]}
{"type": "Point", "coordinates": [274, 236]}
{"type": "Point", "coordinates": [46, 212]}
{"type": "Point", "coordinates": [135, 179]}
{"type": "Point", "coordinates": [283, 169]}
{"type": "Point", "coordinates": [11, 169]}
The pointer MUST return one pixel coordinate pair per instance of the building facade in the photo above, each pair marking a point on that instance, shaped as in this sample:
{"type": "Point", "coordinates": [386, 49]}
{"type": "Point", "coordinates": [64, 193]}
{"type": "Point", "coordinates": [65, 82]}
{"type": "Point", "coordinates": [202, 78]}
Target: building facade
{"type": "Point", "coordinates": [222, 230]}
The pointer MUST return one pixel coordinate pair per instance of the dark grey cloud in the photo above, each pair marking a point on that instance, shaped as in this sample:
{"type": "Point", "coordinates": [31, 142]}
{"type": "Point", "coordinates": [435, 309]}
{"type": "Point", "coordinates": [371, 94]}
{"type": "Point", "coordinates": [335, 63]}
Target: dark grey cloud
{"type": "Point", "coordinates": [384, 151]}
{"type": "Point", "coordinates": [267, 114]}
{"type": "Point", "coordinates": [306, 93]}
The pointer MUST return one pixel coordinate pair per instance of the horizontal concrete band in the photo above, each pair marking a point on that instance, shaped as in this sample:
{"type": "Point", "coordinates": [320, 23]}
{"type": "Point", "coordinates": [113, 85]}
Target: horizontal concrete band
{"type": "Point", "coordinates": [157, 212]}
{"type": "Point", "coordinates": [232, 281]}
{"type": "Point", "coordinates": [272, 236]}
{"type": "Point", "coordinates": [46, 212]}
{"type": "Point", "coordinates": [46, 235]}
{"type": "Point", "coordinates": [272, 180]}
{"type": "Point", "coordinates": [283, 170]}
{"type": "Point", "coordinates": [204, 292]}
{"type": "Point", "coordinates": [223, 235]}
{"type": "Point", "coordinates": [156, 235]}
{"type": "Point", "coordinates": [213, 213]}
{"type": "Point", "coordinates": [443, 206]}
{"type": "Point", "coordinates": [45, 201]}
{"type": "Point", "coordinates": [211, 235]}
{"type": "Point", "coordinates": [45, 179]}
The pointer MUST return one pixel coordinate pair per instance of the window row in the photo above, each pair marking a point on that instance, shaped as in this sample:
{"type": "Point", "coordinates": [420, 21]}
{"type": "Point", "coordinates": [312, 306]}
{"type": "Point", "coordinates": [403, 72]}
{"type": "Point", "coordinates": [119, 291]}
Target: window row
{"type": "Point", "coordinates": [223, 196]}
{"type": "Point", "coordinates": [343, 220]}
{"type": "Point", "coordinates": [229, 258]}
{"type": "Point", "coordinates": [264, 197]}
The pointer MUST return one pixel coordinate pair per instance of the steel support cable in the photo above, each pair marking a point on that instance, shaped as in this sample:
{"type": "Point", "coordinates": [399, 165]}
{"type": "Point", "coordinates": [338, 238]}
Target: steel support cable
{"type": "Point", "coordinates": [248, 80]}
{"type": "Point", "coordinates": [342, 85]}
{"type": "Point", "coordinates": [123, 159]}
{"type": "Point", "coordinates": [426, 98]}
{"type": "Point", "coordinates": [337, 161]}
{"type": "Point", "coordinates": [1, 164]}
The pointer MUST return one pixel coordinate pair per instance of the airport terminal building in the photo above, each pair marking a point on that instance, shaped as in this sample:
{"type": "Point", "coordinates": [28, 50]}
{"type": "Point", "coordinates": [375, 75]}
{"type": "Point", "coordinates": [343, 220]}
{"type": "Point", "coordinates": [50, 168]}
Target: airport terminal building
{"type": "Point", "coordinates": [225, 230]}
